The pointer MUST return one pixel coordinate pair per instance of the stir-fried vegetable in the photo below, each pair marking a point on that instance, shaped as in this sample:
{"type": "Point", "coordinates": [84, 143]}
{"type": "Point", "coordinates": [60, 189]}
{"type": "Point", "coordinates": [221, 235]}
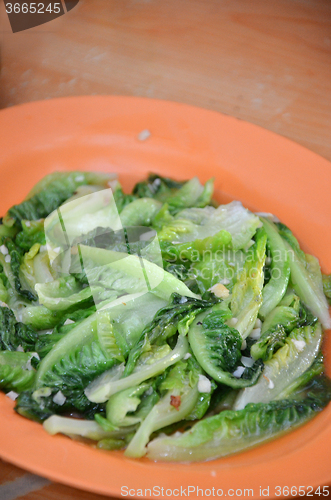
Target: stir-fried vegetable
{"type": "Point", "coordinates": [150, 313]}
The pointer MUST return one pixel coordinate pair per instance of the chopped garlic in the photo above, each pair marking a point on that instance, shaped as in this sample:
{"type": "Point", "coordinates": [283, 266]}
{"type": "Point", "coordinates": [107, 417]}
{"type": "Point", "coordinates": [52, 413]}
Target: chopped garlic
{"type": "Point", "coordinates": [68, 322]}
{"type": "Point", "coordinates": [238, 372]}
{"type": "Point", "coordinates": [258, 323]}
{"type": "Point", "coordinates": [187, 355]}
{"type": "Point", "coordinates": [232, 321]}
{"type": "Point", "coordinates": [204, 384]}
{"type": "Point", "coordinates": [12, 395]}
{"type": "Point", "coordinates": [243, 345]}
{"type": "Point", "coordinates": [299, 344]}
{"type": "Point", "coordinates": [271, 384]}
{"type": "Point", "coordinates": [7, 258]}
{"type": "Point", "coordinates": [220, 291]}
{"type": "Point", "coordinates": [27, 223]}
{"type": "Point", "coordinates": [59, 398]}
{"type": "Point", "coordinates": [20, 349]}
{"type": "Point", "coordinates": [4, 250]}
{"type": "Point", "coordinates": [255, 333]}
{"type": "Point", "coordinates": [247, 361]}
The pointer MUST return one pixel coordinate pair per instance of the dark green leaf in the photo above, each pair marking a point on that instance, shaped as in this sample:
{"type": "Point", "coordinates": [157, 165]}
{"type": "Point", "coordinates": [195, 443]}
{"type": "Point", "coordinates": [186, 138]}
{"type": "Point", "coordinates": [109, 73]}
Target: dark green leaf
{"type": "Point", "coordinates": [14, 334]}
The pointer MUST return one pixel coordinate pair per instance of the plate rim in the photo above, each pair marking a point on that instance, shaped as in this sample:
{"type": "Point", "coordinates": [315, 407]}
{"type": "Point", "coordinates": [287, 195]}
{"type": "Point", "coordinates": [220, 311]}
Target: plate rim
{"type": "Point", "coordinates": [204, 474]}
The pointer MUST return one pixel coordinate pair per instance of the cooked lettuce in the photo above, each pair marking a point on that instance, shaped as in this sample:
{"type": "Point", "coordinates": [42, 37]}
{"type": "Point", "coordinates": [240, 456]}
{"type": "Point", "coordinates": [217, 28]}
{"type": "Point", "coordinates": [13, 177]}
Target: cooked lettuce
{"type": "Point", "coordinates": [197, 249]}
{"type": "Point", "coordinates": [289, 362]}
{"type": "Point", "coordinates": [157, 187]}
{"type": "Point", "coordinates": [278, 324]}
{"type": "Point", "coordinates": [181, 393]}
{"type": "Point", "coordinates": [149, 313]}
{"type": "Point", "coordinates": [14, 334]}
{"type": "Point", "coordinates": [217, 348]}
{"type": "Point", "coordinates": [129, 273]}
{"type": "Point", "coordinates": [3, 286]}
{"type": "Point", "coordinates": [140, 212]}
{"type": "Point", "coordinates": [121, 407]}
{"type": "Point", "coordinates": [306, 277]}
{"type": "Point", "coordinates": [82, 428]}
{"type": "Point", "coordinates": [110, 382]}
{"type": "Point", "coordinates": [66, 292]}
{"type": "Point", "coordinates": [177, 315]}
{"type": "Point", "coordinates": [234, 431]}
{"type": "Point", "coordinates": [35, 267]}
{"type": "Point", "coordinates": [32, 232]}
{"type": "Point", "coordinates": [327, 286]}
{"type": "Point", "coordinates": [199, 223]}
{"type": "Point", "coordinates": [52, 191]}
{"type": "Point", "coordinates": [13, 268]}
{"type": "Point", "coordinates": [275, 289]}
{"type": "Point", "coordinates": [16, 371]}
{"type": "Point", "coordinates": [247, 296]}
{"type": "Point", "coordinates": [221, 266]}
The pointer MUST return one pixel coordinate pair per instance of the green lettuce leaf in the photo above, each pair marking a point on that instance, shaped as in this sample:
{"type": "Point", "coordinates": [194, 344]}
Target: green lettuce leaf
{"type": "Point", "coordinates": [52, 191]}
{"type": "Point", "coordinates": [217, 348]}
{"type": "Point", "coordinates": [14, 333]}
{"type": "Point", "coordinates": [12, 270]}
{"type": "Point", "coordinates": [32, 232]}
{"type": "Point", "coordinates": [287, 364]}
{"type": "Point", "coordinates": [16, 373]}
{"type": "Point", "coordinates": [247, 292]}
{"type": "Point", "coordinates": [199, 223]}
{"type": "Point", "coordinates": [327, 286]}
{"type": "Point", "coordinates": [177, 315]}
{"type": "Point", "coordinates": [121, 407]}
{"type": "Point", "coordinates": [140, 212]}
{"type": "Point", "coordinates": [157, 187]}
{"type": "Point", "coordinates": [306, 277]}
{"type": "Point", "coordinates": [275, 289]}
{"type": "Point", "coordinates": [83, 428]}
{"type": "Point", "coordinates": [234, 431]}
{"type": "Point", "coordinates": [101, 389]}
{"type": "Point", "coordinates": [181, 396]}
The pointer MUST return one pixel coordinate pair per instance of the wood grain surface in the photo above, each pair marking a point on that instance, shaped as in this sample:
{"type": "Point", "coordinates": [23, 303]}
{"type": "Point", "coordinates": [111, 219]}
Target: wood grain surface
{"type": "Point", "coordinates": [267, 62]}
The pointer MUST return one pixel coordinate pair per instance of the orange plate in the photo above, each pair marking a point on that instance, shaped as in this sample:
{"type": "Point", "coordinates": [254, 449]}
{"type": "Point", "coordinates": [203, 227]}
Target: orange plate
{"type": "Point", "coordinates": [266, 172]}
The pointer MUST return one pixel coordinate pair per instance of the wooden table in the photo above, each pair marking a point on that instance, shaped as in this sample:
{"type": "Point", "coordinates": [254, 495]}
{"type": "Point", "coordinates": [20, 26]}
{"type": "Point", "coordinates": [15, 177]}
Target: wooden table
{"type": "Point", "coordinates": [265, 62]}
